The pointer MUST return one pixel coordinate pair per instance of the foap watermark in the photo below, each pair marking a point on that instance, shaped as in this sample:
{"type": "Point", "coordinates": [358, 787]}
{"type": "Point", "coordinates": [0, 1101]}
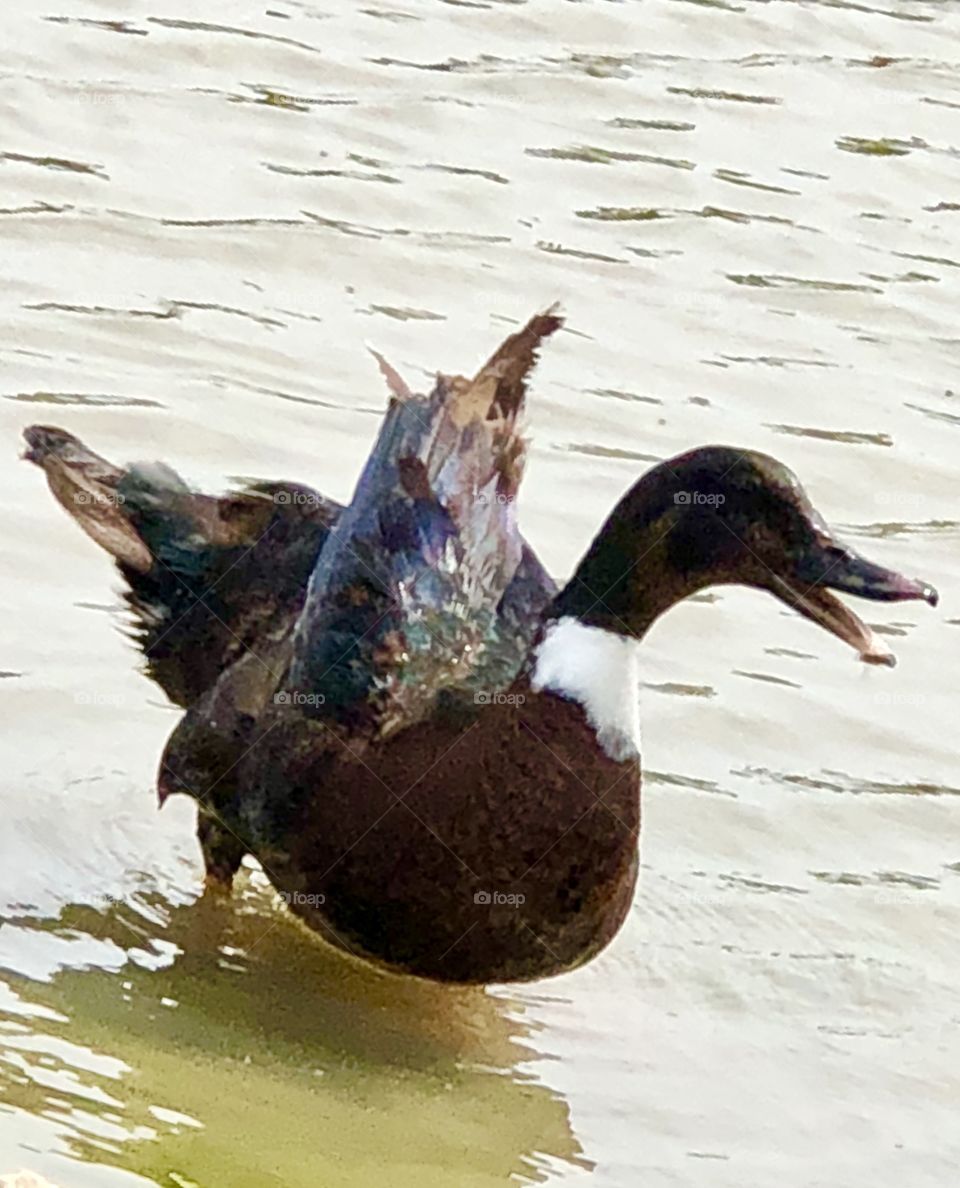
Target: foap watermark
{"type": "Point", "coordinates": [510, 898]}
{"type": "Point", "coordinates": [894, 698]}
{"type": "Point", "coordinates": [105, 498]}
{"type": "Point", "coordinates": [295, 697]}
{"type": "Point", "coordinates": [485, 698]}
{"type": "Point", "coordinates": [495, 497]}
{"type": "Point", "coordinates": [698, 498]}
{"type": "Point", "coordinates": [98, 697]}
{"type": "Point", "coordinates": [100, 98]}
{"type": "Point", "coordinates": [306, 498]}
{"type": "Point", "coordinates": [302, 899]}
{"type": "Point", "coordinates": [898, 498]}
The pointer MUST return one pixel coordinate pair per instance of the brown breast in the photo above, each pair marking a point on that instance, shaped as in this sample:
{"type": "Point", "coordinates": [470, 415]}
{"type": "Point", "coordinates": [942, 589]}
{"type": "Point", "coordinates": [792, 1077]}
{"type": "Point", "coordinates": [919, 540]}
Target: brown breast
{"type": "Point", "coordinates": [499, 848]}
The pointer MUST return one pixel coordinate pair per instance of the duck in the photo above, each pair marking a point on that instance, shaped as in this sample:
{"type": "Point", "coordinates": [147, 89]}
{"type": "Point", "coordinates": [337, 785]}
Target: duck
{"type": "Point", "coordinates": [448, 792]}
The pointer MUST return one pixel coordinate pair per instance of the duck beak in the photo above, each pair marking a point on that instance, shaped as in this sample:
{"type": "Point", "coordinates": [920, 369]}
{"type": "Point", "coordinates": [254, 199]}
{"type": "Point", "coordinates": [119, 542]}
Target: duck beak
{"type": "Point", "coordinates": [831, 566]}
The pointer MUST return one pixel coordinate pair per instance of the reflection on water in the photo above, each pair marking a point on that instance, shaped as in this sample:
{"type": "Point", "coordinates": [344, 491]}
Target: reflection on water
{"type": "Point", "coordinates": [214, 1043]}
{"type": "Point", "coordinates": [750, 212]}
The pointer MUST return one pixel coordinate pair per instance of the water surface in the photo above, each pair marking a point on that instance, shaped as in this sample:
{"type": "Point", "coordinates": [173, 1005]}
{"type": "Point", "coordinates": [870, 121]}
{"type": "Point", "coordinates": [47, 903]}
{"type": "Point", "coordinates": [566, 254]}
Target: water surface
{"type": "Point", "coordinates": [750, 212]}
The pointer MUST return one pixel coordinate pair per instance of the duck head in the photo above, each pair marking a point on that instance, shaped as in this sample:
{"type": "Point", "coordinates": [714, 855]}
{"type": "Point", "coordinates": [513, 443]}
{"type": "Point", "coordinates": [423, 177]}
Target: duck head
{"type": "Point", "coordinates": [718, 516]}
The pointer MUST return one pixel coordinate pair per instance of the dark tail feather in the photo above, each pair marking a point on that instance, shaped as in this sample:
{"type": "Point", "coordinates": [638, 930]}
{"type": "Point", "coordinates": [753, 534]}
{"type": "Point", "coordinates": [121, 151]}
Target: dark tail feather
{"type": "Point", "coordinates": [406, 588]}
{"type": "Point", "coordinates": [206, 577]}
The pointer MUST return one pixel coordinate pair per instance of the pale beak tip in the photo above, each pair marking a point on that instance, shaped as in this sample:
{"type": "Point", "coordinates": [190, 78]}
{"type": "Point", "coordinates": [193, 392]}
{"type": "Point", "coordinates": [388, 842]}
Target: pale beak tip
{"type": "Point", "coordinates": [887, 659]}
{"type": "Point", "coordinates": [877, 652]}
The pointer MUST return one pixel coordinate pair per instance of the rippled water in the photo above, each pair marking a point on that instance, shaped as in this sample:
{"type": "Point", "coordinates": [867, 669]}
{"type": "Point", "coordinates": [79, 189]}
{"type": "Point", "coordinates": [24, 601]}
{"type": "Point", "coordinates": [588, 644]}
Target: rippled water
{"type": "Point", "coordinates": [750, 211]}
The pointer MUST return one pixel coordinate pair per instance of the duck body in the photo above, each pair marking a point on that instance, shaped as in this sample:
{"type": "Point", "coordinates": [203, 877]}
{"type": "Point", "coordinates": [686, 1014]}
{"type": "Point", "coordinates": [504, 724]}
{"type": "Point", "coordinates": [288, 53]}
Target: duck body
{"type": "Point", "coordinates": [488, 842]}
{"type": "Point", "coordinates": [432, 751]}
{"type": "Point", "coordinates": [494, 837]}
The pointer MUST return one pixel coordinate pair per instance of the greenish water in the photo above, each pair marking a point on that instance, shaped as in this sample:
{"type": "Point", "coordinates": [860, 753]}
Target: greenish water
{"type": "Point", "coordinates": [750, 212]}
